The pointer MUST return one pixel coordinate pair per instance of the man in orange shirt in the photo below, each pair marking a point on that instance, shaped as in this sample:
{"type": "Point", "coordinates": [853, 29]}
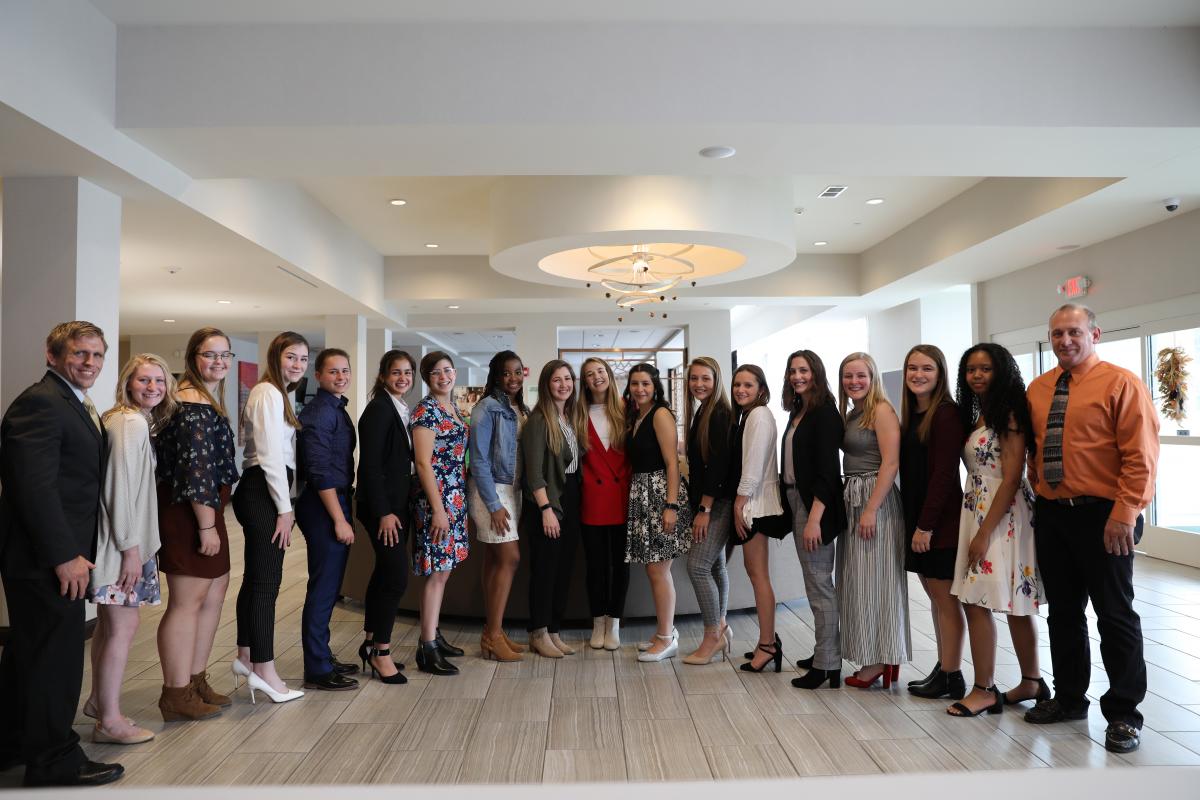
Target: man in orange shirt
{"type": "Point", "coordinates": [1097, 448]}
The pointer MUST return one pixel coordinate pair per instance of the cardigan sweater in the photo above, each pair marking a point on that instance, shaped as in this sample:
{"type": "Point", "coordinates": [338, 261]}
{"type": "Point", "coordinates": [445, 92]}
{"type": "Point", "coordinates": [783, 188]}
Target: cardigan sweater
{"type": "Point", "coordinates": [930, 485]}
{"type": "Point", "coordinates": [128, 500]}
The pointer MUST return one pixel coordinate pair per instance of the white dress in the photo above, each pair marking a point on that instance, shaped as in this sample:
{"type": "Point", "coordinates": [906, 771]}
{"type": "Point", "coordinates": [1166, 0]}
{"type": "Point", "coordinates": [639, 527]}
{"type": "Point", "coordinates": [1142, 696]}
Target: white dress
{"type": "Point", "coordinates": [1007, 579]}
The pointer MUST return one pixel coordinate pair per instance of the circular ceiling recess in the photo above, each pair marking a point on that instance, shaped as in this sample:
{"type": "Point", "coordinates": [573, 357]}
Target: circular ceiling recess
{"type": "Point", "coordinates": [566, 230]}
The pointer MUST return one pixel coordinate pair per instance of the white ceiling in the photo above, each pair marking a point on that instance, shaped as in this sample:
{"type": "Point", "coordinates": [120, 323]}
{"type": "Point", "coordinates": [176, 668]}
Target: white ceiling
{"type": "Point", "coordinates": [947, 13]}
{"type": "Point", "coordinates": [631, 338]}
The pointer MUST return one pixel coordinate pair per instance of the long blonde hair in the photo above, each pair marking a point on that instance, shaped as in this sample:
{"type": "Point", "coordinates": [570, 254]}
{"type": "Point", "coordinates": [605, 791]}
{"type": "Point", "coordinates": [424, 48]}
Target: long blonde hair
{"type": "Point", "coordinates": [941, 391]}
{"type": "Point", "coordinates": [876, 396]}
{"type": "Point", "coordinates": [191, 374]}
{"type": "Point", "coordinates": [273, 374]}
{"type": "Point", "coordinates": [161, 412]}
{"type": "Point", "coordinates": [717, 400]}
{"type": "Point", "coordinates": [573, 410]}
{"type": "Point", "coordinates": [614, 407]}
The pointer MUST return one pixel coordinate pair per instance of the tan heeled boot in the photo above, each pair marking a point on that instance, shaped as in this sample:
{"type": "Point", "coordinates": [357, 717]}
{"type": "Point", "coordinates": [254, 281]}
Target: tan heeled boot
{"type": "Point", "coordinates": [181, 702]}
{"type": "Point", "coordinates": [516, 647]}
{"type": "Point", "coordinates": [540, 643]}
{"type": "Point", "coordinates": [209, 694]}
{"type": "Point", "coordinates": [562, 646]}
{"type": "Point", "coordinates": [496, 649]}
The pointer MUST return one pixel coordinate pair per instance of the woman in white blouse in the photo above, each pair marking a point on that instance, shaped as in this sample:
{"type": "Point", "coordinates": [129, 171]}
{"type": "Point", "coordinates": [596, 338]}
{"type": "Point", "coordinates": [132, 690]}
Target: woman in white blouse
{"type": "Point", "coordinates": [757, 509]}
{"type": "Point", "coordinates": [126, 573]}
{"type": "Point", "coordinates": [263, 505]}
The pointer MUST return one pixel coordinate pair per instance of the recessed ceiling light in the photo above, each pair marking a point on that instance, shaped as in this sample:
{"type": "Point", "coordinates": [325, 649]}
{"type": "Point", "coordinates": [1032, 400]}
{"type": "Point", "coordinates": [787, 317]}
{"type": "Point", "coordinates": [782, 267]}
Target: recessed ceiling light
{"type": "Point", "coordinates": [452, 307]}
{"type": "Point", "coordinates": [224, 302]}
{"type": "Point", "coordinates": [718, 151]}
{"type": "Point", "coordinates": [396, 201]}
{"type": "Point", "coordinates": [820, 244]}
{"type": "Point", "coordinates": [799, 210]}
{"type": "Point", "coordinates": [168, 320]}
{"type": "Point", "coordinates": [875, 201]}
{"type": "Point", "coordinates": [430, 245]}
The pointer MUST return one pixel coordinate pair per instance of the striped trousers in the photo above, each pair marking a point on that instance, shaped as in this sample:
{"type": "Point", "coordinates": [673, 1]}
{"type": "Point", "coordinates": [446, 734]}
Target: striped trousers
{"type": "Point", "coordinates": [706, 565]}
{"type": "Point", "coordinates": [818, 586]}
{"type": "Point", "coordinates": [872, 587]}
{"type": "Point", "coordinates": [256, 513]}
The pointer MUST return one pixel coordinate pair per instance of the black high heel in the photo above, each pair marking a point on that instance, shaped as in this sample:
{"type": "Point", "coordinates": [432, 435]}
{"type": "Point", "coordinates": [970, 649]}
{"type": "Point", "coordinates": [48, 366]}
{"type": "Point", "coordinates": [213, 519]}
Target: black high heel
{"type": "Point", "coordinates": [997, 707]}
{"type": "Point", "coordinates": [431, 659]}
{"type": "Point", "coordinates": [815, 678]}
{"type": "Point", "coordinates": [1043, 692]}
{"type": "Point", "coordinates": [398, 678]}
{"type": "Point", "coordinates": [928, 678]}
{"type": "Point", "coordinates": [750, 653]}
{"type": "Point", "coordinates": [364, 652]}
{"type": "Point", "coordinates": [447, 648]}
{"type": "Point", "coordinates": [776, 653]}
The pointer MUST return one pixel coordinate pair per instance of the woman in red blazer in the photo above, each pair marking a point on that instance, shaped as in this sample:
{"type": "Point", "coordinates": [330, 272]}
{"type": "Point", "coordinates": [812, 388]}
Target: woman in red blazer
{"type": "Point", "coordinates": [606, 475]}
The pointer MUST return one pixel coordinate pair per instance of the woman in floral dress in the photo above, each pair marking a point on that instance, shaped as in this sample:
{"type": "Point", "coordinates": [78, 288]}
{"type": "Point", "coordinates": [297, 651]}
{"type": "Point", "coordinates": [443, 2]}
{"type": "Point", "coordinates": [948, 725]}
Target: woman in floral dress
{"type": "Point", "coordinates": [996, 566]}
{"type": "Point", "coordinates": [440, 444]}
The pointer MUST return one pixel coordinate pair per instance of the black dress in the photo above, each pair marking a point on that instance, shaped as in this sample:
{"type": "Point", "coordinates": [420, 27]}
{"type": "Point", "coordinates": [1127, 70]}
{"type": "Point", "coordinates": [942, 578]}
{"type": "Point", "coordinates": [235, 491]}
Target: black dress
{"type": "Point", "coordinates": [647, 542]}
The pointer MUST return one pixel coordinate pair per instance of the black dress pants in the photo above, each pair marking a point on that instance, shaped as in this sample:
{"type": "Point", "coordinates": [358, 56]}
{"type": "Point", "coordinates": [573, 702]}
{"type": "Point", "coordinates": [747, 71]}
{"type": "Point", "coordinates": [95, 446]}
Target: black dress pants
{"type": "Point", "coordinates": [256, 513]}
{"type": "Point", "coordinates": [389, 580]}
{"type": "Point", "coordinates": [1075, 568]}
{"type": "Point", "coordinates": [607, 572]}
{"type": "Point", "coordinates": [41, 672]}
{"type": "Point", "coordinates": [551, 560]}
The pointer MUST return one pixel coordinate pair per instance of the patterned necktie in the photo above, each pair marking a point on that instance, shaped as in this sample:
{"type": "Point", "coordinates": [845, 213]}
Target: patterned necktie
{"type": "Point", "coordinates": [91, 409]}
{"type": "Point", "coordinates": [1052, 449]}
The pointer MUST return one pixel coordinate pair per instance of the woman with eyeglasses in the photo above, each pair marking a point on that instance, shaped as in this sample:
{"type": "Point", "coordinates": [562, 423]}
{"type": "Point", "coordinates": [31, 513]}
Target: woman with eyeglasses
{"type": "Point", "coordinates": [440, 438]}
{"type": "Point", "coordinates": [263, 505]}
{"type": "Point", "coordinates": [126, 573]}
{"type": "Point", "coordinates": [196, 472]}
{"type": "Point", "coordinates": [494, 497]}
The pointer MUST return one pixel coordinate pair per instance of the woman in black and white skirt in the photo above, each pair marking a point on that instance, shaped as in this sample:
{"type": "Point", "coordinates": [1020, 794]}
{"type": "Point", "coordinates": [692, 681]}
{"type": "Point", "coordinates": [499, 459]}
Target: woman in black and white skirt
{"type": "Point", "coordinates": [659, 520]}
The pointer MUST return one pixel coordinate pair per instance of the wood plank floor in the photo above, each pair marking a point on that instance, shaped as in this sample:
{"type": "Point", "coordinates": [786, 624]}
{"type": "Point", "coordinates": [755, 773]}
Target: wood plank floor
{"type": "Point", "coordinates": [600, 716]}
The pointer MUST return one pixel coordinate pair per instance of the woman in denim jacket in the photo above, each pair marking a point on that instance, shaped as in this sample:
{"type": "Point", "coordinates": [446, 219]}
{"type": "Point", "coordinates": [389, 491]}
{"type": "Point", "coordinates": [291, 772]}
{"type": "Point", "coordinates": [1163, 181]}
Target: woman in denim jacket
{"type": "Point", "coordinates": [494, 494]}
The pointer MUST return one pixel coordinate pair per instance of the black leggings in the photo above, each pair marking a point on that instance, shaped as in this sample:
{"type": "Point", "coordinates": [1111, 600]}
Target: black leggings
{"type": "Point", "coordinates": [551, 560]}
{"type": "Point", "coordinates": [607, 572]}
{"type": "Point", "coordinates": [388, 582]}
{"type": "Point", "coordinates": [256, 513]}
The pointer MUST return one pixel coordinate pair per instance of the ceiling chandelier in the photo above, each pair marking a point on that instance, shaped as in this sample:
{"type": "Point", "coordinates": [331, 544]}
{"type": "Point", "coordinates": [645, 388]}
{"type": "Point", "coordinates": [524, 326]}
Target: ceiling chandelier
{"type": "Point", "coordinates": [643, 275]}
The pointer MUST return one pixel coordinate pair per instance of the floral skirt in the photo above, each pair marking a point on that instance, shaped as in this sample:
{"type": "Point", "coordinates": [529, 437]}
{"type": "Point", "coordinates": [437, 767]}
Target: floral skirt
{"type": "Point", "coordinates": [646, 542]}
{"type": "Point", "coordinates": [1007, 579]}
{"type": "Point", "coordinates": [146, 592]}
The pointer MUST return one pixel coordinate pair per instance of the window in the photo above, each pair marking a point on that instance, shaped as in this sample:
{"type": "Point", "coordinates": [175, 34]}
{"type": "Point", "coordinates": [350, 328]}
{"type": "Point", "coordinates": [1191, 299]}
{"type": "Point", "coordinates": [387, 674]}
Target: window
{"type": "Point", "coordinates": [1175, 503]}
{"type": "Point", "coordinates": [1027, 363]}
{"type": "Point", "coordinates": [1125, 353]}
{"type": "Point", "coordinates": [1189, 340]}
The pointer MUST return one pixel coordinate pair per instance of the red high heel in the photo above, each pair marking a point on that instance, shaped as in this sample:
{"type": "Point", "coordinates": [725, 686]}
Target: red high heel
{"type": "Point", "coordinates": [889, 673]}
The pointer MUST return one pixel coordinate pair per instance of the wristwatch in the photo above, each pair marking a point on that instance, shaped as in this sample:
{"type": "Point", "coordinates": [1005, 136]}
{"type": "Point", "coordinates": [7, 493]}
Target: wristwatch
{"type": "Point", "coordinates": [703, 509]}
{"type": "Point", "coordinates": [546, 507]}
{"type": "Point", "coordinates": [671, 506]}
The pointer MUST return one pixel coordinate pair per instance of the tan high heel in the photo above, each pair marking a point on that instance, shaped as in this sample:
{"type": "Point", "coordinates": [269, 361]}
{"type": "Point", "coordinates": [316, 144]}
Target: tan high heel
{"type": "Point", "coordinates": [562, 646]}
{"type": "Point", "coordinates": [494, 648]}
{"type": "Point", "coordinates": [540, 643]}
{"type": "Point", "coordinates": [698, 656]}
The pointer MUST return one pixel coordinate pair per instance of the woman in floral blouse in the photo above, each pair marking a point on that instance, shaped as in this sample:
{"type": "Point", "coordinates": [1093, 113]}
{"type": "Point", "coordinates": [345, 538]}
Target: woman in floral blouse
{"type": "Point", "coordinates": [440, 448]}
{"type": "Point", "coordinates": [996, 567]}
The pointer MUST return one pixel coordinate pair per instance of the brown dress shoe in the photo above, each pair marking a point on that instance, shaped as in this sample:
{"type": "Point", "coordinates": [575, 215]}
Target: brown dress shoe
{"type": "Point", "coordinates": [181, 703]}
{"type": "Point", "coordinates": [209, 694]}
{"type": "Point", "coordinates": [495, 648]}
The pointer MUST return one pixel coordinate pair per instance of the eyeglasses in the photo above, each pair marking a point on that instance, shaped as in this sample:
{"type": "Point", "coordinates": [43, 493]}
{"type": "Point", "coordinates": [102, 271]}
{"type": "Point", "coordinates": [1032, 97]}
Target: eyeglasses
{"type": "Point", "coordinates": [437, 373]}
{"type": "Point", "coordinates": [209, 355]}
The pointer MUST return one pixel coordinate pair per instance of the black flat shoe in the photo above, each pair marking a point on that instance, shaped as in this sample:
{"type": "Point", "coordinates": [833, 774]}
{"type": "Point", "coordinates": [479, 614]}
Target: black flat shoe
{"type": "Point", "coordinates": [1050, 711]}
{"type": "Point", "coordinates": [815, 679]}
{"type": "Point", "coordinates": [330, 682]}
{"type": "Point", "coordinates": [997, 706]}
{"type": "Point", "coordinates": [342, 668]}
{"type": "Point", "coordinates": [1121, 737]}
{"type": "Point", "coordinates": [932, 674]}
{"type": "Point", "coordinates": [431, 659]}
{"type": "Point", "coordinates": [1043, 692]}
{"type": "Point", "coordinates": [91, 773]}
{"type": "Point", "coordinates": [447, 648]}
{"type": "Point", "coordinates": [944, 684]}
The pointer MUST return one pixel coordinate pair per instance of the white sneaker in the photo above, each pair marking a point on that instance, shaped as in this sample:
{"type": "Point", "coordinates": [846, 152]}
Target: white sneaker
{"type": "Point", "coordinates": [612, 633]}
{"type": "Point", "coordinates": [670, 651]}
{"type": "Point", "coordinates": [598, 626]}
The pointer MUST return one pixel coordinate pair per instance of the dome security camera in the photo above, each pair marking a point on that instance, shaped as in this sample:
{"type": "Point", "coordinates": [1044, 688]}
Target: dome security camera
{"type": "Point", "coordinates": [1171, 204]}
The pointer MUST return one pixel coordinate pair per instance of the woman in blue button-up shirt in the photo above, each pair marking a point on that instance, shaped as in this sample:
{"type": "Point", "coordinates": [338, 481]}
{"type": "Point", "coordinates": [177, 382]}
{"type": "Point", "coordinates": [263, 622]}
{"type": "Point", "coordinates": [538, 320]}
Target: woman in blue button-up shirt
{"type": "Point", "coordinates": [494, 498]}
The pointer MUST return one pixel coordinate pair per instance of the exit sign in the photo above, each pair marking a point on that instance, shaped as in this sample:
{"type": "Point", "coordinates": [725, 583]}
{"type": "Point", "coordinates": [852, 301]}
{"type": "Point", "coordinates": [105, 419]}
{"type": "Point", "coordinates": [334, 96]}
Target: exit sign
{"type": "Point", "coordinates": [1074, 287]}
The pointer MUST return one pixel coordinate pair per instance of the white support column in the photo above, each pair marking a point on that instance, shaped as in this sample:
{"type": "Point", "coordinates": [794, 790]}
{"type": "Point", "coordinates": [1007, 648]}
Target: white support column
{"type": "Point", "coordinates": [379, 341]}
{"type": "Point", "coordinates": [349, 332]}
{"type": "Point", "coordinates": [62, 249]}
{"type": "Point", "coordinates": [537, 343]}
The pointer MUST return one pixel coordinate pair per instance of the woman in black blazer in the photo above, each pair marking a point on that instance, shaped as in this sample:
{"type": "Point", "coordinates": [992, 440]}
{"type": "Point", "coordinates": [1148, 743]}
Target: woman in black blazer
{"type": "Point", "coordinates": [812, 483]}
{"type": "Point", "coordinates": [385, 467]}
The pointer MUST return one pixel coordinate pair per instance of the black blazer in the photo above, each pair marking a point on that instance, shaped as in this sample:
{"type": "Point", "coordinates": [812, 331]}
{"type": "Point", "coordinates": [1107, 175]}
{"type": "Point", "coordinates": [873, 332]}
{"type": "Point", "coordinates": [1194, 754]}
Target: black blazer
{"type": "Point", "coordinates": [818, 469]}
{"type": "Point", "coordinates": [52, 462]}
{"type": "Point", "coordinates": [711, 477]}
{"type": "Point", "coordinates": [385, 460]}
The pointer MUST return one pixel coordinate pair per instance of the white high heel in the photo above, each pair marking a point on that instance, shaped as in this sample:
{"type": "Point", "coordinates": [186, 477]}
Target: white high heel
{"type": "Point", "coordinates": [239, 671]}
{"type": "Point", "coordinates": [612, 633]}
{"type": "Point", "coordinates": [669, 651]}
{"type": "Point", "coordinates": [644, 646]}
{"type": "Point", "coordinates": [255, 682]}
{"type": "Point", "coordinates": [598, 626]}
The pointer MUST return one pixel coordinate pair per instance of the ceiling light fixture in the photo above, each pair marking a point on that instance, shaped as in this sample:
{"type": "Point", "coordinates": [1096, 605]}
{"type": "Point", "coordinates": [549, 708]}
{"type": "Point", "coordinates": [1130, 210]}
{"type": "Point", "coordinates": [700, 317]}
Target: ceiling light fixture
{"type": "Point", "coordinates": [431, 245]}
{"type": "Point", "coordinates": [875, 201]}
{"type": "Point", "coordinates": [642, 275]}
{"type": "Point", "coordinates": [168, 320]}
{"type": "Point", "coordinates": [820, 244]}
{"type": "Point", "coordinates": [398, 202]}
{"type": "Point", "coordinates": [224, 302]}
{"type": "Point", "coordinates": [452, 308]}
{"type": "Point", "coordinates": [718, 151]}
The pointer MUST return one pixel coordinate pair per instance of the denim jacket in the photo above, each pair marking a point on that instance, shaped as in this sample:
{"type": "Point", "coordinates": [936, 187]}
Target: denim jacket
{"type": "Point", "coordinates": [493, 446]}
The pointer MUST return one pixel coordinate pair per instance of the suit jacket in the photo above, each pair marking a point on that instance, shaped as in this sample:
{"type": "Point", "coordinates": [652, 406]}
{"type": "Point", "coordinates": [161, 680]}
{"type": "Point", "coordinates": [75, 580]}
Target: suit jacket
{"type": "Point", "coordinates": [52, 461]}
{"type": "Point", "coordinates": [818, 470]}
{"type": "Point", "coordinates": [606, 476]}
{"type": "Point", "coordinates": [385, 460]}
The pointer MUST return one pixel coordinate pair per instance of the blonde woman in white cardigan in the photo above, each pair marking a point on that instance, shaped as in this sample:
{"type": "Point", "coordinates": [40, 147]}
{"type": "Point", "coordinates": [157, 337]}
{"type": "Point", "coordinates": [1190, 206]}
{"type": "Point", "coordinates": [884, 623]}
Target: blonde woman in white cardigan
{"type": "Point", "coordinates": [757, 509]}
{"type": "Point", "coordinates": [126, 573]}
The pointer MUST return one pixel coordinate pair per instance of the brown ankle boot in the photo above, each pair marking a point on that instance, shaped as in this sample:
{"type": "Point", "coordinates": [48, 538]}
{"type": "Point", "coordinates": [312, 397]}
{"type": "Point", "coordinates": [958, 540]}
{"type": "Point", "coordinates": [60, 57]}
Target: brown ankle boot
{"type": "Point", "coordinates": [182, 702]}
{"type": "Point", "coordinates": [209, 694]}
{"type": "Point", "coordinates": [540, 643]}
{"type": "Point", "coordinates": [494, 647]}
{"type": "Point", "coordinates": [562, 646]}
{"type": "Point", "coordinates": [514, 646]}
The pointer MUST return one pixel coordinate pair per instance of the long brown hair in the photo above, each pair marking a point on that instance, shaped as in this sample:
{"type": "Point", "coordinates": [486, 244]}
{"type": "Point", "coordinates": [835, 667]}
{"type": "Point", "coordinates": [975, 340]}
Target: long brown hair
{"type": "Point", "coordinates": [818, 395]}
{"type": "Point", "coordinates": [876, 396]}
{"type": "Point", "coordinates": [939, 396]}
{"type": "Point", "coordinates": [718, 400]}
{"type": "Point", "coordinates": [161, 412]}
{"type": "Point", "coordinates": [764, 391]}
{"type": "Point", "coordinates": [614, 407]}
{"type": "Point", "coordinates": [273, 374]}
{"type": "Point", "coordinates": [191, 374]}
{"type": "Point", "coordinates": [573, 410]}
{"type": "Point", "coordinates": [385, 366]}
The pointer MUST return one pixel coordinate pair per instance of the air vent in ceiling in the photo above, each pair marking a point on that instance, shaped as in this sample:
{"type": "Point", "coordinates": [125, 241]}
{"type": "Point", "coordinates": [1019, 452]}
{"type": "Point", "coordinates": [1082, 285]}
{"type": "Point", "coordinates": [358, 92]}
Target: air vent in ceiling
{"type": "Point", "coordinates": [832, 191]}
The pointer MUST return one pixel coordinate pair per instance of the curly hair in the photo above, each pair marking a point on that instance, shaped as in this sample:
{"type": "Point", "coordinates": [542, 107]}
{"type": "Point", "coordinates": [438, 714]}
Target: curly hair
{"type": "Point", "coordinates": [494, 385]}
{"type": "Point", "coordinates": [1005, 399]}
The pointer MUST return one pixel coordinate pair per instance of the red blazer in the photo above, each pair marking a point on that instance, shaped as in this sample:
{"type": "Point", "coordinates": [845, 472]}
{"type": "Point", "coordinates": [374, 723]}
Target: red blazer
{"type": "Point", "coordinates": [606, 475]}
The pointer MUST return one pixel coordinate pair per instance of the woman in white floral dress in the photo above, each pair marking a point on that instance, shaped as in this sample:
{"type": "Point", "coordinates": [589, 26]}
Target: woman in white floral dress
{"type": "Point", "coordinates": [996, 567]}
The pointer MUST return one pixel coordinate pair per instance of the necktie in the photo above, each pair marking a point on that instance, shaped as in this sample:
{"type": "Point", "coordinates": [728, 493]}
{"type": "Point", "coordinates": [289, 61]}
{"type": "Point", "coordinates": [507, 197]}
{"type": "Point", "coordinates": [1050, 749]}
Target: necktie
{"type": "Point", "coordinates": [91, 409]}
{"type": "Point", "coordinates": [1052, 449]}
